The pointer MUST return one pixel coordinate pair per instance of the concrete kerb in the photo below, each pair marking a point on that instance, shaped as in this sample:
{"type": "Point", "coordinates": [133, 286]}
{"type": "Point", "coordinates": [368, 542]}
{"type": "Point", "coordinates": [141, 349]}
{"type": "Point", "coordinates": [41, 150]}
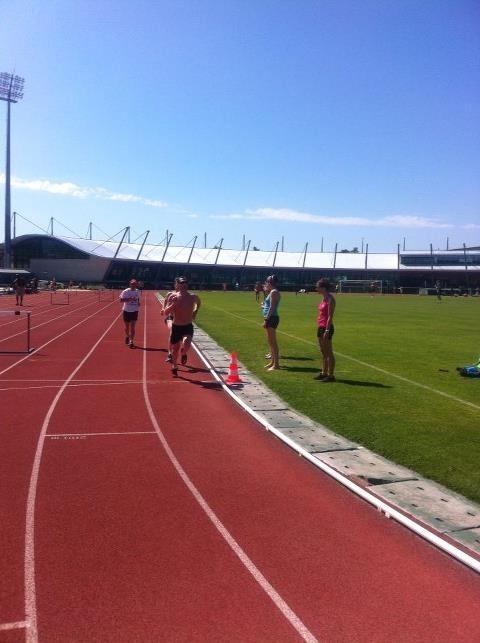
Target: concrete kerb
{"type": "Point", "coordinates": [445, 519]}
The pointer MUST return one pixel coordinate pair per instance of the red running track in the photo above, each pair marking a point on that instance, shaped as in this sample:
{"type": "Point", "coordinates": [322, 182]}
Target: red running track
{"type": "Point", "coordinates": [140, 507]}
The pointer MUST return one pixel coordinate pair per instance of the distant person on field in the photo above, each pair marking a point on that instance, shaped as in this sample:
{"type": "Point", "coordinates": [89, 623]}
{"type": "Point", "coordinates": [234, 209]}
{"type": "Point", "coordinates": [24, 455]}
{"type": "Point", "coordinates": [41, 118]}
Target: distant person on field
{"type": "Point", "coordinates": [257, 289]}
{"type": "Point", "coordinates": [271, 320]}
{"type": "Point", "coordinates": [438, 290]}
{"type": "Point", "coordinates": [19, 284]}
{"type": "Point", "coordinates": [130, 298]}
{"type": "Point", "coordinates": [168, 319]}
{"type": "Point", "coordinates": [325, 331]}
{"type": "Point", "coordinates": [183, 306]}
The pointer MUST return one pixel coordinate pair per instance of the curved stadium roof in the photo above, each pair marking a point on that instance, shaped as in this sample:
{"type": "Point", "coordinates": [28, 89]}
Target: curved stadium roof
{"type": "Point", "coordinates": [409, 260]}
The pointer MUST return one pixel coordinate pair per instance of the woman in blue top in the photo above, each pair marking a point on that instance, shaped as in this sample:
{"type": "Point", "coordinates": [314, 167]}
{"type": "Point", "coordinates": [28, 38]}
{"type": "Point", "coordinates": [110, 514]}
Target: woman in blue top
{"type": "Point", "coordinates": [271, 319]}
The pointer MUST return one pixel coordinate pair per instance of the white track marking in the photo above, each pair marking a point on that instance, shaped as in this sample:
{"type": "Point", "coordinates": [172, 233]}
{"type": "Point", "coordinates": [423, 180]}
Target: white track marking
{"type": "Point", "coordinates": [45, 323]}
{"type": "Point", "coordinates": [5, 370]}
{"type": "Point", "coordinates": [65, 435]}
{"type": "Point", "coordinates": [48, 386]}
{"type": "Point", "coordinates": [35, 312]}
{"type": "Point", "coordinates": [358, 361]}
{"type": "Point", "coordinates": [88, 381]}
{"type": "Point", "coordinates": [388, 510]}
{"type": "Point", "coordinates": [33, 388]}
{"type": "Point", "coordinates": [18, 625]}
{"type": "Point", "coordinates": [29, 565]}
{"type": "Point", "coordinates": [271, 592]}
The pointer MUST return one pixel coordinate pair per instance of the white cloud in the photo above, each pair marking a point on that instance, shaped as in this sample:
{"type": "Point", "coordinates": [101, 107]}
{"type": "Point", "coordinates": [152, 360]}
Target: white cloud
{"type": "Point", "coordinates": [284, 214]}
{"type": "Point", "coordinates": [79, 192]}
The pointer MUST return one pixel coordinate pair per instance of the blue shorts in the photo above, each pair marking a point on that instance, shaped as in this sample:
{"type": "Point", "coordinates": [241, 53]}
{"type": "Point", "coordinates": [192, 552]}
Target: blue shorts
{"type": "Point", "coordinates": [272, 322]}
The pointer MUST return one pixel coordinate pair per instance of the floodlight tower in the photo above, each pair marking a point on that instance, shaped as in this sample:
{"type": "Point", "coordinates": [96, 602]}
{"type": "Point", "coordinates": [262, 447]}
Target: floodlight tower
{"type": "Point", "coordinates": [11, 91]}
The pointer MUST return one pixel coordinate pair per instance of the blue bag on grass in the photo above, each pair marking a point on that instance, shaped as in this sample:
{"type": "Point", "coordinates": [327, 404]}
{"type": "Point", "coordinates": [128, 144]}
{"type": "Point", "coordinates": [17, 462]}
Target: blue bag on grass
{"type": "Point", "coordinates": [470, 371]}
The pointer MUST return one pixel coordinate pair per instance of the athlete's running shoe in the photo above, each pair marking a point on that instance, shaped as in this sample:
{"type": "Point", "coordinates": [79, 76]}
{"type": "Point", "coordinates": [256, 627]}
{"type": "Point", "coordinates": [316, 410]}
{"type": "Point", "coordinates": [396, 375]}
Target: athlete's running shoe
{"type": "Point", "coordinates": [183, 359]}
{"type": "Point", "coordinates": [132, 345]}
{"type": "Point", "coordinates": [127, 340]}
{"type": "Point", "coordinates": [169, 358]}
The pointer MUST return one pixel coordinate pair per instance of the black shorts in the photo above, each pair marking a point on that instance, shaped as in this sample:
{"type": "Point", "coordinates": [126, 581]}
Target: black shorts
{"type": "Point", "coordinates": [272, 322]}
{"type": "Point", "coordinates": [321, 331]}
{"type": "Point", "coordinates": [130, 317]}
{"type": "Point", "coordinates": [179, 332]}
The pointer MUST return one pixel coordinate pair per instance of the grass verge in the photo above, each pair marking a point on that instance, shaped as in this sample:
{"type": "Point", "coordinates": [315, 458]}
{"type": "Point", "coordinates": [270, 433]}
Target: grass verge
{"type": "Point", "coordinates": [397, 390]}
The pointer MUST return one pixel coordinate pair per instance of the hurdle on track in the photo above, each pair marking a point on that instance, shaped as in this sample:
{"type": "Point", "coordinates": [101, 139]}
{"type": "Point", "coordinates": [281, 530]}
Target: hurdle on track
{"type": "Point", "coordinates": [20, 341]}
{"type": "Point", "coordinates": [106, 294]}
{"type": "Point", "coordinates": [59, 297]}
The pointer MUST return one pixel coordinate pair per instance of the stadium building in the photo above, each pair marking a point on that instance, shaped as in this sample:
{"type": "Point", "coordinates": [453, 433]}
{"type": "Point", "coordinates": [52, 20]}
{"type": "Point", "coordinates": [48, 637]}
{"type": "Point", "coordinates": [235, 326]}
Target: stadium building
{"type": "Point", "coordinates": [113, 263]}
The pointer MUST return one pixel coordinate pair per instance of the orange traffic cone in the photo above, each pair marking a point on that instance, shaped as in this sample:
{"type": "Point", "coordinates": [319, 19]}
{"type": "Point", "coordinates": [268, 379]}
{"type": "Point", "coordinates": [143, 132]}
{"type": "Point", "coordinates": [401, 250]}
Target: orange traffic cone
{"type": "Point", "coordinates": [233, 376]}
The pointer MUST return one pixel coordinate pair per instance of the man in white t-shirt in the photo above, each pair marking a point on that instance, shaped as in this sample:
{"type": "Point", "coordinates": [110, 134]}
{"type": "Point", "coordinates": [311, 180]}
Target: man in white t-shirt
{"type": "Point", "coordinates": [130, 298]}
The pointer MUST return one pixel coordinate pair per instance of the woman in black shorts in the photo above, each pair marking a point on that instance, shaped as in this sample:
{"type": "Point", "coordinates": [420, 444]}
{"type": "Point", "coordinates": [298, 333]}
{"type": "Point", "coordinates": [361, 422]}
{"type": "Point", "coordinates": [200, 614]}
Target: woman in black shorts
{"type": "Point", "coordinates": [271, 320]}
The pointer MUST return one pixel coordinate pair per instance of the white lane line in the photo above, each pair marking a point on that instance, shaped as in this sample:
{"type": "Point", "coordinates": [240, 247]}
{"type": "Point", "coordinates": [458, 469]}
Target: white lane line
{"type": "Point", "coordinates": [271, 592]}
{"type": "Point", "coordinates": [87, 381]}
{"type": "Point", "coordinates": [375, 368]}
{"type": "Point", "coordinates": [388, 510]}
{"type": "Point", "coordinates": [29, 564]}
{"type": "Point", "coordinates": [88, 435]}
{"type": "Point", "coordinates": [18, 625]}
{"type": "Point", "coordinates": [49, 321]}
{"type": "Point", "coordinates": [31, 388]}
{"type": "Point", "coordinates": [5, 370]}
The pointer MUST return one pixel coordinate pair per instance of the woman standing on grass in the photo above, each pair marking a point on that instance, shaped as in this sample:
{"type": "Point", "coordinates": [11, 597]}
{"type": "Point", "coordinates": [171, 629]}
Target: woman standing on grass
{"type": "Point", "coordinates": [271, 320]}
{"type": "Point", "coordinates": [325, 330]}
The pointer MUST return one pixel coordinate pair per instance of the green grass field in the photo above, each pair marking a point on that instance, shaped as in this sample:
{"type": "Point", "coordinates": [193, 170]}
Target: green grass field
{"type": "Point", "coordinates": [397, 390]}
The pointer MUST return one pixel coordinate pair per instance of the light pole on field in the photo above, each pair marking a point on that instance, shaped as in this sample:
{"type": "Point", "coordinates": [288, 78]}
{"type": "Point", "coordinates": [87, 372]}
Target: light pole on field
{"type": "Point", "coordinates": [11, 91]}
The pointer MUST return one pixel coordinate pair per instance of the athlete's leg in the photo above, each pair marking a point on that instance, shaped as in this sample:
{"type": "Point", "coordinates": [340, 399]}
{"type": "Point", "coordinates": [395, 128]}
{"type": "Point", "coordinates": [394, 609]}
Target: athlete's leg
{"type": "Point", "coordinates": [132, 332]}
{"type": "Point", "coordinates": [272, 342]}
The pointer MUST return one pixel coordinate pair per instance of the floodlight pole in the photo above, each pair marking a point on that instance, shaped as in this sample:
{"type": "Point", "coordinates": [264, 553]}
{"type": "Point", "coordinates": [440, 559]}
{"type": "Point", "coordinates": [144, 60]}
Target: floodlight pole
{"type": "Point", "coordinates": [11, 91]}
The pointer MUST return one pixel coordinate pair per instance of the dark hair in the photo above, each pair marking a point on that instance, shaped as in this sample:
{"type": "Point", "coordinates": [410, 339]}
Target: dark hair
{"type": "Point", "coordinates": [272, 279]}
{"type": "Point", "coordinates": [323, 283]}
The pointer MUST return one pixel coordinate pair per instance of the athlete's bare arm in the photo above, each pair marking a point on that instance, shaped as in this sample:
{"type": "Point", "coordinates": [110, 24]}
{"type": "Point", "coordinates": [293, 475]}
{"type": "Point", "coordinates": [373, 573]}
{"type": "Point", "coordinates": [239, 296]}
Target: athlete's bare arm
{"type": "Point", "coordinates": [168, 296]}
{"type": "Point", "coordinates": [198, 303]}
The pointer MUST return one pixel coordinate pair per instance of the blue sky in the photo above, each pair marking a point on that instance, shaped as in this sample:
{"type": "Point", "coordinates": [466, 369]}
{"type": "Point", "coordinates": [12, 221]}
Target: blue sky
{"type": "Point", "coordinates": [328, 119]}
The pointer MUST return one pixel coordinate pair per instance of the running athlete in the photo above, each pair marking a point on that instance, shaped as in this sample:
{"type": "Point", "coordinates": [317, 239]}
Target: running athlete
{"type": "Point", "coordinates": [169, 318]}
{"type": "Point", "coordinates": [325, 331]}
{"type": "Point", "coordinates": [184, 307]}
{"type": "Point", "coordinates": [130, 298]}
{"type": "Point", "coordinates": [271, 320]}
